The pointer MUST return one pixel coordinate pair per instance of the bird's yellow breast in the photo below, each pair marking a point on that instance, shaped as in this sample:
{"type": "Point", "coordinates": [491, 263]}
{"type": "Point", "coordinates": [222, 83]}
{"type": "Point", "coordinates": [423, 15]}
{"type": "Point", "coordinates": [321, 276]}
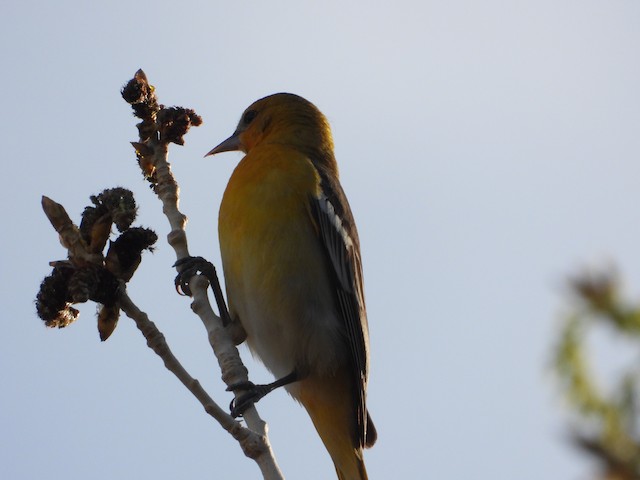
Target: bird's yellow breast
{"type": "Point", "coordinates": [276, 272]}
{"type": "Point", "coordinates": [266, 204]}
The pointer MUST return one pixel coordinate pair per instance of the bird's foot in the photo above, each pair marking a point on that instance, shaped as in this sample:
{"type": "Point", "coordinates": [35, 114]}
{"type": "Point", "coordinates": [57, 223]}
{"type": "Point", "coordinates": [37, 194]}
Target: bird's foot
{"type": "Point", "coordinates": [187, 268]}
{"type": "Point", "coordinates": [252, 394]}
{"type": "Point", "coordinates": [255, 392]}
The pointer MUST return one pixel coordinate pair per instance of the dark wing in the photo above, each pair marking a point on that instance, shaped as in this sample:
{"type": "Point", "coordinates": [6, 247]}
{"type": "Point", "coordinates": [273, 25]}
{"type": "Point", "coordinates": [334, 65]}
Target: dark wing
{"type": "Point", "coordinates": [340, 238]}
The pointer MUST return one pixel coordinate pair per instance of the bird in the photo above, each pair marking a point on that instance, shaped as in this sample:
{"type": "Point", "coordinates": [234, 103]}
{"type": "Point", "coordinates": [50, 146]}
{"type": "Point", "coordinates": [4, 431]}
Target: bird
{"type": "Point", "coordinates": [293, 271]}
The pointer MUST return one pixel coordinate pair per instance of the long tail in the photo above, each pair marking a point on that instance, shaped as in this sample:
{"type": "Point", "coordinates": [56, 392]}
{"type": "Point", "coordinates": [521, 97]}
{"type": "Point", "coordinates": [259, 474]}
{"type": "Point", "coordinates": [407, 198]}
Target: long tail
{"type": "Point", "coordinates": [329, 404]}
{"type": "Point", "coordinates": [354, 472]}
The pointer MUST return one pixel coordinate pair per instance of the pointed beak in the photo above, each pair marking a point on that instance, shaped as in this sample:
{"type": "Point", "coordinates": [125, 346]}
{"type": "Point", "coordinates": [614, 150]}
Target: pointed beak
{"type": "Point", "coordinates": [231, 144]}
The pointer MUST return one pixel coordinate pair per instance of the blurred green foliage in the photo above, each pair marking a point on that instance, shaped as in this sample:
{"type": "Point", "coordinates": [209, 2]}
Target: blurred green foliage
{"type": "Point", "coordinates": [606, 420]}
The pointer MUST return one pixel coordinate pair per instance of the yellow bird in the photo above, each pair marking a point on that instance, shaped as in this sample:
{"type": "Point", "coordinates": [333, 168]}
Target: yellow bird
{"type": "Point", "coordinates": [291, 259]}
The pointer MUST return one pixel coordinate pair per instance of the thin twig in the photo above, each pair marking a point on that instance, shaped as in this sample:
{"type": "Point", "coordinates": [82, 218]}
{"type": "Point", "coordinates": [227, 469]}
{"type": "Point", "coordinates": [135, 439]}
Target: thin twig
{"type": "Point", "coordinates": [157, 342]}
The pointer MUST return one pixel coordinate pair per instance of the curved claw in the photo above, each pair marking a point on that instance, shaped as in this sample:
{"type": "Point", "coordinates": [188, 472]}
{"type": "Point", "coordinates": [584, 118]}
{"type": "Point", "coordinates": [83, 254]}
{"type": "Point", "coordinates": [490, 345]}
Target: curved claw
{"type": "Point", "coordinates": [242, 403]}
{"type": "Point", "coordinates": [187, 268]}
{"type": "Point", "coordinates": [181, 282]}
{"type": "Point", "coordinates": [182, 287]}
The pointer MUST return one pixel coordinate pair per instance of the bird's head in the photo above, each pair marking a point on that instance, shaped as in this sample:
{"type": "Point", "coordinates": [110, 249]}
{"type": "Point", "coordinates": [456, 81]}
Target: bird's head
{"type": "Point", "coordinates": [282, 118]}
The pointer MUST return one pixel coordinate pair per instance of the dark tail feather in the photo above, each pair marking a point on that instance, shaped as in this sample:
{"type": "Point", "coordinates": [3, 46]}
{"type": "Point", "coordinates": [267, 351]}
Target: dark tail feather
{"type": "Point", "coordinates": [360, 475]}
{"type": "Point", "coordinates": [372, 433]}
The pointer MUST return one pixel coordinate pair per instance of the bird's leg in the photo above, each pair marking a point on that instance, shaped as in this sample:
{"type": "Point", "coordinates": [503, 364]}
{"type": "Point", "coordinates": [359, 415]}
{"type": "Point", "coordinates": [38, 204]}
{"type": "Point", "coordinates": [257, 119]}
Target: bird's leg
{"type": "Point", "coordinates": [190, 266]}
{"type": "Point", "coordinates": [255, 392]}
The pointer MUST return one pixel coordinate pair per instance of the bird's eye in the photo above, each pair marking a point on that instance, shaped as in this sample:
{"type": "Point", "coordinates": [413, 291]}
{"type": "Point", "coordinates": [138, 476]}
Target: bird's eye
{"type": "Point", "coordinates": [249, 116]}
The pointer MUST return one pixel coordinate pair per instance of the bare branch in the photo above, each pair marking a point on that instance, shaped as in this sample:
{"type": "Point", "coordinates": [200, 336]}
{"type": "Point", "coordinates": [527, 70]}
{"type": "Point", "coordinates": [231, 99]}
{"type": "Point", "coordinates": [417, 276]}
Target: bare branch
{"type": "Point", "coordinates": [159, 127]}
{"type": "Point", "coordinates": [253, 444]}
{"type": "Point", "coordinates": [157, 342]}
{"type": "Point", "coordinates": [90, 274]}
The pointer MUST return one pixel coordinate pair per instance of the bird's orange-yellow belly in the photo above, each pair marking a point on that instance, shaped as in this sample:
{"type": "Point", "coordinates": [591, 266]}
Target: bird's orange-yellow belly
{"type": "Point", "coordinates": [277, 278]}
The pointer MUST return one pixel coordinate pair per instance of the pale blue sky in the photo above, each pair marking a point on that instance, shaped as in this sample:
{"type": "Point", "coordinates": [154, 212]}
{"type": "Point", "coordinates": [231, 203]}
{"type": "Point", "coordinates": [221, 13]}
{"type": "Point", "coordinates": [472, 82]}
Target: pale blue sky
{"type": "Point", "coordinates": [487, 148]}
